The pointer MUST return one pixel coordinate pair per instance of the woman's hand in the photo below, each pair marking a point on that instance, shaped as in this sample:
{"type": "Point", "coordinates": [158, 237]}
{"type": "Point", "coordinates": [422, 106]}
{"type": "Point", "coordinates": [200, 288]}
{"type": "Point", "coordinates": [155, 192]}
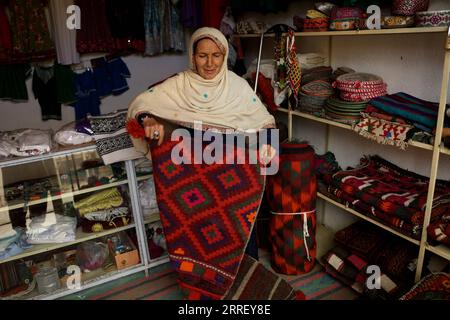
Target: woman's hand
{"type": "Point", "coordinates": [154, 130]}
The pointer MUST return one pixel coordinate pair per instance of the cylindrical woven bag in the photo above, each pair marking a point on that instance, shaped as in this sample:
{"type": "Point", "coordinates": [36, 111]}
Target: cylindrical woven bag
{"type": "Point", "coordinates": [291, 195]}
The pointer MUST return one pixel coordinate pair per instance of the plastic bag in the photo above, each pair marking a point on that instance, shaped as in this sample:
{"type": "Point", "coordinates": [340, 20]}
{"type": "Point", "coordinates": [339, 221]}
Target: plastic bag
{"type": "Point", "coordinates": [147, 194]}
{"type": "Point", "coordinates": [74, 133]}
{"type": "Point", "coordinates": [91, 255]}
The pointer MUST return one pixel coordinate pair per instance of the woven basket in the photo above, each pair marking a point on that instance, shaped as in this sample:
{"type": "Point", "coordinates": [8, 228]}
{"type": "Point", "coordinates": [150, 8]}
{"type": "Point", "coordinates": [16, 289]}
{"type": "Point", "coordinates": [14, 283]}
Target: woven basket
{"type": "Point", "coordinates": [409, 7]}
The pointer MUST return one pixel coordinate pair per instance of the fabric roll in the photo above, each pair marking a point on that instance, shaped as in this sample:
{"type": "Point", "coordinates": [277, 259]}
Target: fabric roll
{"type": "Point", "coordinates": [291, 195]}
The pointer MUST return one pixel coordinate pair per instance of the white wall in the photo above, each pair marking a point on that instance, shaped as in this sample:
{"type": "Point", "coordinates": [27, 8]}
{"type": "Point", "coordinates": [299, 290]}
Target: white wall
{"type": "Point", "coordinates": [144, 72]}
{"type": "Point", "coordinates": [409, 63]}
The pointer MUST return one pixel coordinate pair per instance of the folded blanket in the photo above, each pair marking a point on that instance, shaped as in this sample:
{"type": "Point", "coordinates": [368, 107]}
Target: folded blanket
{"type": "Point", "coordinates": [409, 107]}
{"type": "Point", "coordinates": [392, 190]}
{"type": "Point", "coordinates": [393, 255]}
{"type": "Point", "coordinates": [353, 270]}
{"type": "Point", "coordinates": [383, 131]}
{"type": "Point", "coordinates": [439, 231]}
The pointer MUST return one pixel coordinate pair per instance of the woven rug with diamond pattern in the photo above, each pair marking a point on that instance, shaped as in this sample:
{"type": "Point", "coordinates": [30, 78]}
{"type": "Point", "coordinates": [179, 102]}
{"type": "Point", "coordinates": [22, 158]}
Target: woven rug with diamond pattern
{"type": "Point", "coordinates": [207, 212]}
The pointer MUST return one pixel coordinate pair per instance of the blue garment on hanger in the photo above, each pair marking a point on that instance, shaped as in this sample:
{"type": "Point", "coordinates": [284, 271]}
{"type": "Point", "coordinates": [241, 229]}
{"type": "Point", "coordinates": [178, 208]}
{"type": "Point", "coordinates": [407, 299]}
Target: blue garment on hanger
{"type": "Point", "coordinates": [88, 100]}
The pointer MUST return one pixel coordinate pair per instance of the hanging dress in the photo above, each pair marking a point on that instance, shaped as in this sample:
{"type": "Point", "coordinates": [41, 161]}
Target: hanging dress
{"type": "Point", "coordinates": [30, 32]}
{"type": "Point", "coordinates": [65, 39]}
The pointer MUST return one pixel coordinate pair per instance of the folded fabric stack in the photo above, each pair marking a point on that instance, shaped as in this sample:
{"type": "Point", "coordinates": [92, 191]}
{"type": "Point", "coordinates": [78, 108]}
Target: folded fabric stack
{"type": "Point", "coordinates": [317, 73]}
{"type": "Point", "coordinates": [422, 114]}
{"type": "Point", "coordinates": [316, 24]}
{"type": "Point", "coordinates": [389, 194]}
{"type": "Point", "coordinates": [439, 231]}
{"type": "Point", "coordinates": [313, 96]}
{"type": "Point", "coordinates": [104, 210]}
{"type": "Point", "coordinates": [343, 111]}
{"type": "Point", "coordinates": [12, 242]}
{"type": "Point", "coordinates": [315, 21]}
{"type": "Point", "coordinates": [61, 229]}
{"type": "Point", "coordinates": [359, 87]}
{"type": "Point", "coordinates": [362, 244]}
{"type": "Point", "coordinates": [311, 60]}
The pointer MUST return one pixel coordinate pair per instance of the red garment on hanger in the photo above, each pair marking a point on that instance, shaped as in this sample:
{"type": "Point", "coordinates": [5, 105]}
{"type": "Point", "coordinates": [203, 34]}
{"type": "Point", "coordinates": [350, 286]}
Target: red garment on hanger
{"type": "Point", "coordinates": [213, 11]}
{"type": "Point", "coordinates": [5, 31]}
{"type": "Point", "coordinates": [5, 35]}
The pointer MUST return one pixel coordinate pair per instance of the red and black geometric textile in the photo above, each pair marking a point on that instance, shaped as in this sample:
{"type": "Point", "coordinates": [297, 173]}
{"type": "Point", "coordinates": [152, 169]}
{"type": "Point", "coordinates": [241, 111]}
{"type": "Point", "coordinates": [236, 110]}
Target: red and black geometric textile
{"type": "Point", "coordinates": [435, 286]}
{"type": "Point", "coordinates": [207, 212]}
{"type": "Point", "coordinates": [393, 190]}
{"type": "Point", "coordinates": [291, 194]}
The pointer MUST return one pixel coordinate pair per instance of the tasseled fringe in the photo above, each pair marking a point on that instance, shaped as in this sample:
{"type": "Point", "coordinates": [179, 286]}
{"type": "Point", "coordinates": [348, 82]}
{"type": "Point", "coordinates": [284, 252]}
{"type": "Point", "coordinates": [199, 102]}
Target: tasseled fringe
{"type": "Point", "coordinates": [382, 140]}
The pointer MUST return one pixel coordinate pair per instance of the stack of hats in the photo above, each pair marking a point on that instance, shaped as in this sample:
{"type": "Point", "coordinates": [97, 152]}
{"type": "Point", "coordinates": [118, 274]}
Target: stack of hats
{"type": "Point", "coordinates": [313, 96]}
{"type": "Point", "coordinates": [340, 71]}
{"type": "Point", "coordinates": [360, 87]}
{"type": "Point", "coordinates": [343, 111]}
{"type": "Point", "coordinates": [317, 73]}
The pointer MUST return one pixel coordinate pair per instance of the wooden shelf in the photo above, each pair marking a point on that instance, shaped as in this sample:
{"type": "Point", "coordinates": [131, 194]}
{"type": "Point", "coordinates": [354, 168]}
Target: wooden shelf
{"type": "Point", "coordinates": [349, 127]}
{"type": "Point", "coordinates": [441, 250]}
{"type": "Point", "coordinates": [359, 215]}
{"type": "Point", "coordinates": [356, 32]}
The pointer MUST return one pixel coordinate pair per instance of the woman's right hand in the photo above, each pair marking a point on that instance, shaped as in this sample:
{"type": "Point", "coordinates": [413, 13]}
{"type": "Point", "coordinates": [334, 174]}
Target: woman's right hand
{"type": "Point", "coordinates": [153, 130]}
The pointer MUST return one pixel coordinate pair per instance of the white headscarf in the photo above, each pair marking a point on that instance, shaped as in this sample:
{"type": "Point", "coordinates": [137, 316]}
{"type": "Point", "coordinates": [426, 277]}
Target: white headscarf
{"type": "Point", "coordinates": [225, 102]}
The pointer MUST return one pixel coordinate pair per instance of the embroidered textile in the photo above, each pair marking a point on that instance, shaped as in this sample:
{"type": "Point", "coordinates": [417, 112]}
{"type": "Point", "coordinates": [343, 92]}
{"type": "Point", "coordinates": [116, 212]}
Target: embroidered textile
{"type": "Point", "coordinates": [382, 131]}
{"type": "Point", "coordinates": [111, 137]}
{"type": "Point", "coordinates": [435, 286]}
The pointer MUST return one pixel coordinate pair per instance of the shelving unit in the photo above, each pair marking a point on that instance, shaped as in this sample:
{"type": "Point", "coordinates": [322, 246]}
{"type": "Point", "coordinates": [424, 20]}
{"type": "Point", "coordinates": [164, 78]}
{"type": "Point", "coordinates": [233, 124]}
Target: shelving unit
{"type": "Point", "coordinates": [140, 219]}
{"type": "Point", "coordinates": [437, 149]}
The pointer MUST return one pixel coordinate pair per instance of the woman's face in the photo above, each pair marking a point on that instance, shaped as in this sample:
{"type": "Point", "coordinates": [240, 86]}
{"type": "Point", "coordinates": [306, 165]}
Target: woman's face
{"type": "Point", "coordinates": [208, 58]}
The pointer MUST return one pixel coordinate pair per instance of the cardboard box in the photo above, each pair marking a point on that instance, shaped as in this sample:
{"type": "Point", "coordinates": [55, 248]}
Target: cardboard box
{"type": "Point", "coordinates": [123, 250]}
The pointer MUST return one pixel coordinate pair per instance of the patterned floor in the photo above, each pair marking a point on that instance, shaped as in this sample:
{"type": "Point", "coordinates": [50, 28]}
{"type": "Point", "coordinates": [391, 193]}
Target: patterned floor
{"type": "Point", "coordinates": [161, 285]}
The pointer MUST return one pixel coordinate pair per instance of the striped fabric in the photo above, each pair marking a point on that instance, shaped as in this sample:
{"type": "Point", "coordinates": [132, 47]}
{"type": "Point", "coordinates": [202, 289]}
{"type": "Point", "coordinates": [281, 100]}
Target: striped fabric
{"type": "Point", "coordinates": [255, 282]}
{"type": "Point", "coordinates": [420, 112]}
